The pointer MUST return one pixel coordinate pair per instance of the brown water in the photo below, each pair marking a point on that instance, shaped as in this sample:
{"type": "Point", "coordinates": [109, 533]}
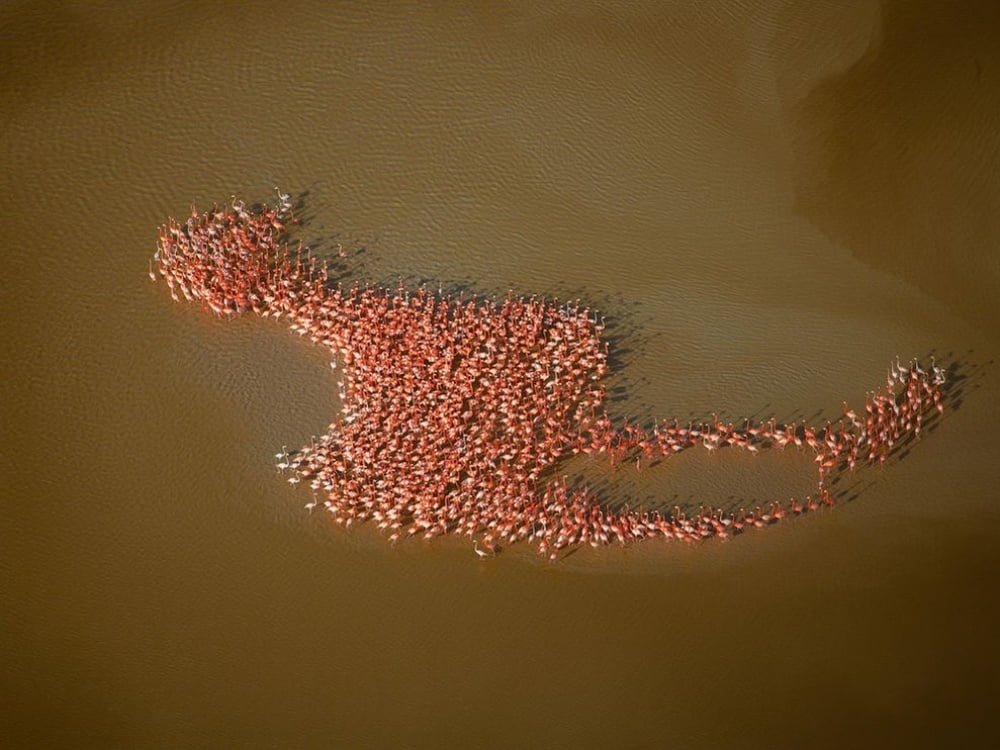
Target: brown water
{"type": "Point", "coordinates": [769, 202]}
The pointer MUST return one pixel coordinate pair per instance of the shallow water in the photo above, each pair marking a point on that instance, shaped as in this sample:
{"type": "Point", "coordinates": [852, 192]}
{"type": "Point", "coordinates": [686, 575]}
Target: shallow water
{"type": "Point", "coordinates": [768, 203]}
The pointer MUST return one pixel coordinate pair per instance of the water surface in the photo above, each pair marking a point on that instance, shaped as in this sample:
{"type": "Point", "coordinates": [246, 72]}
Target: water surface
{"type": "Point", "coordinates": [767, 202]}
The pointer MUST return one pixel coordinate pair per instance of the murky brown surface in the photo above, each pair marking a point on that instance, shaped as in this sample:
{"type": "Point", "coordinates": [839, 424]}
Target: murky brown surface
{"type": "Point", "coordinates": [769, 202]}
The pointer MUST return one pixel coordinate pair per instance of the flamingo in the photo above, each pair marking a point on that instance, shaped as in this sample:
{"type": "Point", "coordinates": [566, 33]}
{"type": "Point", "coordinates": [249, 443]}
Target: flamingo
{"type": "Point", "coordinates": [454, 409]}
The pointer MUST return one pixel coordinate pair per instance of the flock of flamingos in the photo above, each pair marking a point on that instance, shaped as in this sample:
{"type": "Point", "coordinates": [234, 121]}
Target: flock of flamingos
{"type": "Point", "coordinates": [456, 409]}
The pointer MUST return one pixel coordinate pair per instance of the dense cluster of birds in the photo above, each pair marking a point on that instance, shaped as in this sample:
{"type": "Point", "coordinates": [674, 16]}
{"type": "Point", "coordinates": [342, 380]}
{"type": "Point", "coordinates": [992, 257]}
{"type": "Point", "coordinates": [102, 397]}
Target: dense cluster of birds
{"type": "Point", "coordinates": [455, 410]}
